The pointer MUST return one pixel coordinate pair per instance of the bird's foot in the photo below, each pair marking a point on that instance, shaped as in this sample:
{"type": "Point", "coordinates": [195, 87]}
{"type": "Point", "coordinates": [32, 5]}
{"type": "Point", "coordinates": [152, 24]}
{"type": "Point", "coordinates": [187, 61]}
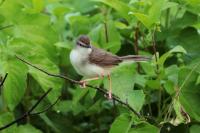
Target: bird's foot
{"type": "Point", "coordinates": [108, 95]}
{"type": "Point", "coordinates": [82, 84]}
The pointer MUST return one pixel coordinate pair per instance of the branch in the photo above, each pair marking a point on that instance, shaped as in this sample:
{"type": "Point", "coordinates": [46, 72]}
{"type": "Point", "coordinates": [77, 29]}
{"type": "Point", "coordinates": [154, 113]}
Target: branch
{"type": "Point", "coordinates": [46, 109]}
{"type": "Point", "coordinates": [2, 82]}
{"type": "Point", "coordinates": [102, 90]}
{"type": "Point", "coordinates": [8, 26]}
{"type": "Point", "coordinates": [29, 112]}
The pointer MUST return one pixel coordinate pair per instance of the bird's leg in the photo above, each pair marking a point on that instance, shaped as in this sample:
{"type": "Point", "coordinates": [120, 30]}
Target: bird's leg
{"type": "Point", "coordinates": [110, 87]}
{"type": "Point", "coordinates": [83, 82]}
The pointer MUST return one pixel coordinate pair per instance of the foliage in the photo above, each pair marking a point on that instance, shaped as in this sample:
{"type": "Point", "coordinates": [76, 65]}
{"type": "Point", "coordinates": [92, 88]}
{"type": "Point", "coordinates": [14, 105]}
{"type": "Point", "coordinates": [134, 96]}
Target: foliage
{"type": "Point", "coordinates": [165, 90]}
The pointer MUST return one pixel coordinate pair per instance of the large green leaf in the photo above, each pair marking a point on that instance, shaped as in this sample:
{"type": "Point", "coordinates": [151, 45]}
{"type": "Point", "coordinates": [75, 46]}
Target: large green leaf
{"type": "Point", "coordinates": [15, 84]}
{"type": "Point", "coordinates": [119, 6]}
{"type": "Point", "coordinates": [6, 118]}
{"type": "Point", "coordinates": [189, 94]}
{"type": "Point", "coordinates": [27, 129]}
{"type": "Point", "coordinates": [163, 58]}
{"type": "Point", "coordinates": [122, 79]}
{"type": "Point", "coordinates": [144, 128]}
{"type": "Point", "coordinates": [122, 124]}
{"type": "Point", "coordinates": [155, 10]}
{"type": "Point", "coordinates": [189, 39]}
{"type": "Point", "coordinates": [144, 19]}
{"type": "Point", "coordinates": [37, 55]}
{"type": "Point", "coordinates": [194, 129]}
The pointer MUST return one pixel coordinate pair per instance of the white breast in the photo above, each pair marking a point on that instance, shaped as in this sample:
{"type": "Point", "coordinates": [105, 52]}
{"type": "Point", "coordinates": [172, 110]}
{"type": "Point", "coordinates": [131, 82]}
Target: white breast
{"type": "Point", "coordinates": [80, 62]}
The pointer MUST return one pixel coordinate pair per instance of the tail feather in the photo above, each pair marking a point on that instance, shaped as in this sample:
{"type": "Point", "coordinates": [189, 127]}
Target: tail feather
{"type": "Point", "coordinates": [135, 58]}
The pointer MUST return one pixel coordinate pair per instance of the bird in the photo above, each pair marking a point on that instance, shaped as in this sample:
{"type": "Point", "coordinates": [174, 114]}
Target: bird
{"type": "Point", "coordinates": [95, 63]}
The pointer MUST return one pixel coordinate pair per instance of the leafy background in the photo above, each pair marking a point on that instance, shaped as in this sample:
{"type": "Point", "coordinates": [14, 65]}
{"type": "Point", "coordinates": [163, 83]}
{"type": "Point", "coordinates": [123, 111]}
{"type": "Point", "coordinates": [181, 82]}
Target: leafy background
{"type": "Point", "coordinates": [165, 90]}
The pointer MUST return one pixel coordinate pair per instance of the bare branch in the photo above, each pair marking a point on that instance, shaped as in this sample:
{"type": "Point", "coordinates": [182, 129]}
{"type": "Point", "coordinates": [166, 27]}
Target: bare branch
{"type": "Point", "coordinates": [5, 27]}
{"type": "Point", "coordinates": [102, 90]}
{"type": "Point", "coordinates": [46, 109]}
{"type": "Point", "coordinates": [2, 82]}
{"type": "Point", "coordinates": [29, 112]}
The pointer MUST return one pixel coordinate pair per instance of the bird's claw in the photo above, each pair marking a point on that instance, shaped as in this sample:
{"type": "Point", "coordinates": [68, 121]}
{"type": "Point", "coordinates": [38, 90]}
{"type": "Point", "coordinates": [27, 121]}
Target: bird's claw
{"type": "Point", "coordinates": [108, 95]}
{"type": "Point", "coordinates": [83, 84]}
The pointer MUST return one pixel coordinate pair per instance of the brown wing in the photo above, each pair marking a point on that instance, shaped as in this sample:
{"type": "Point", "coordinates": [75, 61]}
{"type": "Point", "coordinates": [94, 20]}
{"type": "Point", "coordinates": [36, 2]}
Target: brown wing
{"type": "Point", "coordinates": [103, 58]}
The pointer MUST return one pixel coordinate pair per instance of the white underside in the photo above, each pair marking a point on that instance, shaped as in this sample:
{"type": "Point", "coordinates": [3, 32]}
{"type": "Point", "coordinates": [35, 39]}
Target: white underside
{"type": "Point", "coordinates": [79, 60]}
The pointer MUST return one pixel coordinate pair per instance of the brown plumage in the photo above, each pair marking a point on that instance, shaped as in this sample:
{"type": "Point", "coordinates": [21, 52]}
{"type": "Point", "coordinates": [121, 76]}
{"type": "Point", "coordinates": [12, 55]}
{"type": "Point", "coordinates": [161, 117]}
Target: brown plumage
{"type": "Point", "coordinates": [106, 59]}
{"type": "Point", "coordinates": [103, 58]}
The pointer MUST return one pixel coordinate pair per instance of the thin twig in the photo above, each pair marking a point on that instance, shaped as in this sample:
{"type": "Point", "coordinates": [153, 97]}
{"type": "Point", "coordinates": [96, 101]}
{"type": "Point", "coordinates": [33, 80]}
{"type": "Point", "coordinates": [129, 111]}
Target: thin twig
{"type": "Point", "coordinates": [102, 90]}
{"type": "Point", "coordinates": [106, 31]}
{"type": "Point", "coordinates": [5, 27]}
{"type": "Point", "coordinates": [46, 109]}
{"type": "Point", "coordinates": [36, 104]}
{"type": "Point", "coordinates": [29, 112]}
{"type": "Point", "coordinates": [2, 82]}
{"type": "Point", "coordinates": [53, 75]}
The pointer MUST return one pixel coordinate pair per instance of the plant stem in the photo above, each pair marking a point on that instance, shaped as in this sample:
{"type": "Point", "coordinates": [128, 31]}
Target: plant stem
{"type": "Point", "coordinates": [136, 36]}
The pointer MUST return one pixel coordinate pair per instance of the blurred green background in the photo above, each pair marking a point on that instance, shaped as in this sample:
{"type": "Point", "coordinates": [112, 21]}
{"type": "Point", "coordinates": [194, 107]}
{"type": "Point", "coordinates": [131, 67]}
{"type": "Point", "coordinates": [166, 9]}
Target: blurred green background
{"type": "Point", "coordinates": [165, 91]}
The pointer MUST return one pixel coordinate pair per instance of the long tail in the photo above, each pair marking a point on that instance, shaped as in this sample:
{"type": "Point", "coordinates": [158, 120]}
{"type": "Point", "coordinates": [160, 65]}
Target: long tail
{"type": "Point", "coordinates": [135, 58]}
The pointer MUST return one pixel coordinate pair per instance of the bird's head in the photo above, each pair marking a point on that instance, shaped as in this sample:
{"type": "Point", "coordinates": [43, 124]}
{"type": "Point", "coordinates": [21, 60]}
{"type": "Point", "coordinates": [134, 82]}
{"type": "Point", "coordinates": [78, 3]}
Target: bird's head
{"type": "Point", "coordinates": [83, 41]}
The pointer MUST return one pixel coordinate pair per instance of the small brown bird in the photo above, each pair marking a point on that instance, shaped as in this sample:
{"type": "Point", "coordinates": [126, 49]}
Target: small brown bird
{"type": "Point", "coordinates": [94, 63]}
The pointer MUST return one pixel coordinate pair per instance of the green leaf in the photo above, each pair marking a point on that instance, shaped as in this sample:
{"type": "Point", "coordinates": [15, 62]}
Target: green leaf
{"type": "Point", "coordinates": [122, 124]}
{"type": "Point", "coordinates": [163, 58]}
{"type": "Point", "coordinates": [119, 6]}
{"type": "Point", "coordinates": [136, 99]}
{"type": "Point", "coordinates": [6, 118]}
{"type": "Point", "coordinates": [171, 74]}
{"type": "Point", "coordinates": [144, 128]}
{"type": "Point", "coordinates": [38, 56]}
{"type": "Point", "coordinates": [189, 39]}
{"type": "Point", "coordinates": [194, 129]}
{"type": "Point", "coordinates": [15, 84]}
{"type": "Point", "coordinates": [27, 129]}
{"type": "Point", "coordinates": [38, 5]}
{"type": "Point", "coordinates": [189, 95]}
{"type": "Point", "coordinates": [148, 68]}
{"type": "Point", "coordinates": [178, 110]}
{"type": "Point", "coordinates": [154, 84]}
{"type": "Point", "coordinates": [78, 94]}
{"type": "Point", "coordinates": [155, 10]}
{"type": "Point", "coordinates": [98, 36]}
{"type": "Point", "coordinates": [80, 20]}
{"type": "Point", "coordinates": [144, 19]}
{"type": "Point", "coordinates": [169, 4]}
{"type": "Point", "coordinates": [45, 80]}
{"type": "Point", "coordinates": [122, 79]}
